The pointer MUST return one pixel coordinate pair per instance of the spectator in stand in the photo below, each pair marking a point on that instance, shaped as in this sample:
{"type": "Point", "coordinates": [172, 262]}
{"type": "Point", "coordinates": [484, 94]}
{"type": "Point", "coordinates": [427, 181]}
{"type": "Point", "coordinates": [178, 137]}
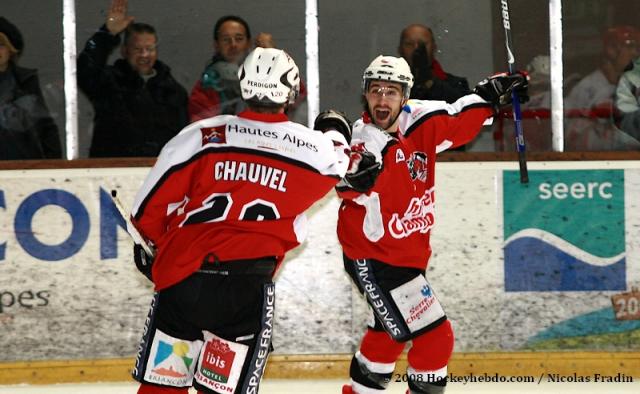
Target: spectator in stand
{"type": "Point", "coordinates": [218, 89]}
{"type": "Point", "coordinates": [627, 101]}
{"type": "Point", "coordinates": [138, 104]}
{"type": "Point", "coordinates": [27, 130]}
{"type": "Point", "coordinates": [589, 105]}
{"type": "Point", "coordinates": [418, 47]}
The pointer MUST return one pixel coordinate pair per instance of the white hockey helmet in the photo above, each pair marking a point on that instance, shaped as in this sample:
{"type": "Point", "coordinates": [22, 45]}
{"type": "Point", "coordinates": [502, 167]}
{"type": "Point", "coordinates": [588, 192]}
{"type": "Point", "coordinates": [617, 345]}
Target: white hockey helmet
{"type": "Point", "coordinates": [269, 77]}
{"type": "Point", "coordinates": [388, 68]}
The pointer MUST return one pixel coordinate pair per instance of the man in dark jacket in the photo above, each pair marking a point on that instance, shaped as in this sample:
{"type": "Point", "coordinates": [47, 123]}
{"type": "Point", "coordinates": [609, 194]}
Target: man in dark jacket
{"type": "Point", "coordinates": [138, 104]}
{"type": "Point", "coordinates": [27, 130]}
{"type": "Point", "coordinates": [418, 47]}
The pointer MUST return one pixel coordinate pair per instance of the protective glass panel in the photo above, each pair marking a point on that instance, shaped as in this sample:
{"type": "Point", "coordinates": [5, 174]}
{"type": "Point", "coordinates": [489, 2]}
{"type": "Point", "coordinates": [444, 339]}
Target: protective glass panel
{"type": "Point", "coordinates": [601, 39]}
{"type": "Point", "coordinates": [32, 112]}
{"type": "Point", "coordinates": [530, 34]}
{"type": "Point", "coordinates": [187, 47]}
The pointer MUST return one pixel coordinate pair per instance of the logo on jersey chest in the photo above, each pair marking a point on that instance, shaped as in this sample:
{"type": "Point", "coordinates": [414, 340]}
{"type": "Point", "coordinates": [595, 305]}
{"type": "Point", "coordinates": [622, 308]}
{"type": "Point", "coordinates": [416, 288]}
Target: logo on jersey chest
{"type": "Point", "coordinates": [419, 216]}
{"type": "Point", "coordinates": [417, 165]}
{"type": "Point", "coordinates": [213, 135]}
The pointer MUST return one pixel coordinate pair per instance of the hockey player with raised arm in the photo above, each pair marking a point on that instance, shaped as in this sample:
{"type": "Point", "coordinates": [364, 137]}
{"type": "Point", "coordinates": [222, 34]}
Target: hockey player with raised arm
{"type": "Point", "coordinates": [222, 205]}
{"type": "Point", "coordinates": [387, 213]}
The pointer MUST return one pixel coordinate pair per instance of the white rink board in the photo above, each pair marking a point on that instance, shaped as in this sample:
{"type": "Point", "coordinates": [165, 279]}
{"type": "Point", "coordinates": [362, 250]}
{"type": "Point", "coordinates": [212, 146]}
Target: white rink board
{"type": "Point", "coordinates": [88, 306]}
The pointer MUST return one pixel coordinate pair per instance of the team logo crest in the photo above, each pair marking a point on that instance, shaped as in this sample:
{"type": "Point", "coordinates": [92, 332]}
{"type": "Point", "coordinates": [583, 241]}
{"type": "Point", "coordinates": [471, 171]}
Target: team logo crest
{"type": "Point", "coordinates": [417, 164]}
{"type": "Point", "coordinates": [213, 135]}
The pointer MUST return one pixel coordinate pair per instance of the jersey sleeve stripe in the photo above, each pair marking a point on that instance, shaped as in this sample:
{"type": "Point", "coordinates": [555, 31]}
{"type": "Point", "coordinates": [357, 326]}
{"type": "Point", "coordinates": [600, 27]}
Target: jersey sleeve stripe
{"type": "Point", "coordinates": [432, 114]}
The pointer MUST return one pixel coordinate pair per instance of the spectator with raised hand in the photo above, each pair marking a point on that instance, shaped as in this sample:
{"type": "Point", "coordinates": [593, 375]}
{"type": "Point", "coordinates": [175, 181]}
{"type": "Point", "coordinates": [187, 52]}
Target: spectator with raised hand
{"type": "Point", "coordinates": [138, 104]}
{"type": "Point", "coordinates": [27, 130]}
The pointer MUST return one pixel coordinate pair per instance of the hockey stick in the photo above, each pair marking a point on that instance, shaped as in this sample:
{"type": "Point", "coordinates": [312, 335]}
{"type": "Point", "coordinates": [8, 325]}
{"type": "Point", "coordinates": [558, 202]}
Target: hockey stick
{"type": "Point", "coordinates": [131, 228]}
{"type": "Point", "coordinates": [517, 116]}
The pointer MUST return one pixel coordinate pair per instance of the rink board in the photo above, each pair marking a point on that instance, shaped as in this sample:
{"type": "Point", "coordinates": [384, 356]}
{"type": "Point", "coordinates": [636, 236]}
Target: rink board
{"type": "Point", "coordinates": [568, 365]}
{"type": "Point", "coordinates": [69, 290]}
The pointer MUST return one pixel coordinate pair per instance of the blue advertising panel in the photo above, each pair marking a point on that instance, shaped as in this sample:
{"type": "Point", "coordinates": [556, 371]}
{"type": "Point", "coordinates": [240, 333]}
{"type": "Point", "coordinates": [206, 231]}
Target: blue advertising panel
{"type": "Point", "coordinates": [564, 231]}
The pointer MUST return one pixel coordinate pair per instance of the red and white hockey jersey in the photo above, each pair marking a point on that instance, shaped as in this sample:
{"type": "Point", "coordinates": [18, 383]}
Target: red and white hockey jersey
{"type": "Point", "coordinates": [392, 221]}
{"type": "Point", "coordinates": [237, 187]}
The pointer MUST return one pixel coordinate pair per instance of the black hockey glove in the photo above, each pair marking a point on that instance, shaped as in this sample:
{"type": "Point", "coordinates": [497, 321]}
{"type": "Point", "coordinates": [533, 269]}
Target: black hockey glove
{"type": "Point", "coordinates": [422, 66]}
{"type": "Point", "coordinates": [363, 171]}
{"type": "Point", "coordinates": [497, 89]}
{"type": "Point", "coordinates": [143, 261]}
{"type": "Point", "coordinates": [333, 120]}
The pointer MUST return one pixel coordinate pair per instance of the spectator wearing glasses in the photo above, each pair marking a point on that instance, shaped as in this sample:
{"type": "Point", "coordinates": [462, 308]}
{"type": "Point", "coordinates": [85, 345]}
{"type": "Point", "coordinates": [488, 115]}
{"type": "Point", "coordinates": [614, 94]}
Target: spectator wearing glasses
{"type": "Point", "coordinates": [138, 104]}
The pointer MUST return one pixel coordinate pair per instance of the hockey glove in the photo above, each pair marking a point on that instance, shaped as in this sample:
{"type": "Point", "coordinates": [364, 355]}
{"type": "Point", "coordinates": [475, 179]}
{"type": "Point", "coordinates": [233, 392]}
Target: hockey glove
{"type": "Point", "coordinates": [143, 261]}
{"type": "Point", "coordinates": [333, 120]}
{"type": "Point", "coordinates": [363, 171]}
{"type": "Point", "coordinates": [422, 67]}
{"type": "Point", "coordinates": [497, 89]}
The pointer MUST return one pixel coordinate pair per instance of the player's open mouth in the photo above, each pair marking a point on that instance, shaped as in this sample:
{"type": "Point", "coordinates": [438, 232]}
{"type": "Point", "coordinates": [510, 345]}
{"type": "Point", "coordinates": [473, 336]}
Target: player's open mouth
{"type": "Point", "coordinates": [382, 114]}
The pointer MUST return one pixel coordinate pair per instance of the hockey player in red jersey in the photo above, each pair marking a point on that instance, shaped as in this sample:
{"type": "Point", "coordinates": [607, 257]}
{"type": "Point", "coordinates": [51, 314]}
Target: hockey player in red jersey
{"type": "Point", "coordinates": [387, 213]}
{"type": "Point", "coordinates": [222, 205]}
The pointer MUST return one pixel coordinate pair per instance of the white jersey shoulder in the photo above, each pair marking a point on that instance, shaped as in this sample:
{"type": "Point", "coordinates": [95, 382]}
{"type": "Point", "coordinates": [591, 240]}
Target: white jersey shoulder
{"type": "Point", "coordinates": [415, 110]}
{"type": "Point", "coordinates": [374, 138]}
{"type": "Point", "coordinates": [287, 139]}
{"type": "Point", "coordinates": [326, 153]}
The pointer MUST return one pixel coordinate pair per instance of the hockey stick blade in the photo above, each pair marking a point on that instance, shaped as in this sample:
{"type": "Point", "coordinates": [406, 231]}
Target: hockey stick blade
{"type": "Point", "coordinates": [132, 230]}
{"type": "Point", "coordinates": [517, 115]}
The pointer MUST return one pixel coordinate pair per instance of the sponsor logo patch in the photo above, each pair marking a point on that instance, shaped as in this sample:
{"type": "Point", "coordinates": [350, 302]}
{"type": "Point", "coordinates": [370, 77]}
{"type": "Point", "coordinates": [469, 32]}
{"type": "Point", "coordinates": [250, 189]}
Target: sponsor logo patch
{"type": "Point", "coordinates": [564, 231]}
{"type": "Point", "coordinates": [171, 361]}
{"type": "Point", "coordinates": [213, 135]}
{"type": "Point", "coordinates": [217, 362]}
{"type": "Point", "coordinates": [220, 363]}
{"type": "Point", "coordinates": [417, 303]}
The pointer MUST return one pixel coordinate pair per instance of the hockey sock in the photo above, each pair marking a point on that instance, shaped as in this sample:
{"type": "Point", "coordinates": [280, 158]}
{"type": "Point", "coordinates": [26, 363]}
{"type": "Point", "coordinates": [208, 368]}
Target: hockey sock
{"type": "Point", "coordinates": [378, 346]}
{"type": "Point", "coordinates": [431, 351]}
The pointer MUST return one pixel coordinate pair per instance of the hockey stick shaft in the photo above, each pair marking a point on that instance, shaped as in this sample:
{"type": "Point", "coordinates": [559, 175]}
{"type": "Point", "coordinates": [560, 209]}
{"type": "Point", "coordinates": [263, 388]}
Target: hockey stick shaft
{"type": "Point", "coordinates": [517, 115]}
{"type": "Point", "coordinates": [131, 228]}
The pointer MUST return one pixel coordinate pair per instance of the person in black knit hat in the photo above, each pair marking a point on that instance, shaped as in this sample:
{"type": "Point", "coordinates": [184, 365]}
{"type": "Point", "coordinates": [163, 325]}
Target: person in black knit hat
{"type": "Point", "coordinates": [27, 130]}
